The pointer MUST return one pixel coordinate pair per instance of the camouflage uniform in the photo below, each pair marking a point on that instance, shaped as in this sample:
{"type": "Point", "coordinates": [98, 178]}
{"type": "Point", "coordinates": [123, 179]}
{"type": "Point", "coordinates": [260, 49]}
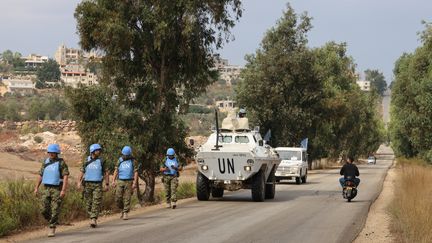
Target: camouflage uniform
{"type": "Point", "coordinates": [124, 191]}
{"type": "Point", "coordinates": [170, 183]}
{"type": "Point", "coordinates": [93, 194]}
{"type": "Point", "coordinates": [51, 201]}
{"type": "Point", "coordinates": [124, 194]}
{"type": "Point", "coordinates": [93, 198]}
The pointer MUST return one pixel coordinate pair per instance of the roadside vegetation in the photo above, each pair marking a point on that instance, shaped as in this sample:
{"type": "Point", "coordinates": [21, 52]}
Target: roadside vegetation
{"type": "Point", "coordinates": [47, 106]}
{"type": "Point", "coordinates": [411, 208]}
{"type": "Point", "coordinates": [300, 92]}
{"type": "Point", "coordinates": [411, 105]}
{"type": "Point", "coordinates": [143, 94]}
{"type": "Point", "coordinates": [21, 209]}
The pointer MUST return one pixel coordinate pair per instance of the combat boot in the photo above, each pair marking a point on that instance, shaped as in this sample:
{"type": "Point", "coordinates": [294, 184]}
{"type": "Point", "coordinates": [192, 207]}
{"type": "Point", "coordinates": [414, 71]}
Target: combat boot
{"type": "Point", "coordinates": [51, 232]}
{"type": "Point", "coordinates": [125, 216]}
{"type": "Point", "coordinates": [93, 223]}
{"type": "Point", "coordinates": [174, 205]}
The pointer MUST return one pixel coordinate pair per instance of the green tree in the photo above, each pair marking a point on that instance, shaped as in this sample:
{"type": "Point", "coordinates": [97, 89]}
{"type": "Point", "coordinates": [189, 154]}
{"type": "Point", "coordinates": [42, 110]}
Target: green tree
{"type": "Point", "coordinates": [282, 77]}
{"type": "Point", "coordinates": [2, 111]}
{"type": "Point", "coordinates": [12, 112]}
{"type": "Point", "coordinates": [411, 104]}
{"type": "Point", "coordinates": [349, 123]}
{"type": "Point", "coordinates": [48, 72]}
{"type": "Point", "coordinates": [36, 109]}
{"type": "Point", "coordinates": [377, 79]}
{"type": "Point", "coordinates": [12, 59]}
{"type": "Point", "coordinates": [8, 57]}
{"type": "Point", "coordinates": [305, 92]}
{"type": "Point", "coordinates": [157, 58]}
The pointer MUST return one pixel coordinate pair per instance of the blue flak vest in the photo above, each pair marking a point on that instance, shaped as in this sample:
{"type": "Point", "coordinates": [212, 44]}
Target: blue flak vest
{"type": "Point", "coordinates": [168, 163]}
{"type": "Point", "coordinates": [93, 171]}
{"type": "Point", "coordinates": [51, 173]}
{"type": "Point", "coordinates": [125, 169]}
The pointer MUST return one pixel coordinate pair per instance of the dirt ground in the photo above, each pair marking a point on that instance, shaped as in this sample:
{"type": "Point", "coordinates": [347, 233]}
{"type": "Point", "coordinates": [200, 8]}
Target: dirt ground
{"type": "Point", "coordinates": [13, 167]}
{"type": "Point", "coordinates": [377, 227]}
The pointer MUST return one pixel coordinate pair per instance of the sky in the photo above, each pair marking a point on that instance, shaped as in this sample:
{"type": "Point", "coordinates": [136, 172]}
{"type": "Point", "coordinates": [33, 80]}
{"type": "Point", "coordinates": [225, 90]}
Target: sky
{"type": "Point", "coordinates": [377, 32]}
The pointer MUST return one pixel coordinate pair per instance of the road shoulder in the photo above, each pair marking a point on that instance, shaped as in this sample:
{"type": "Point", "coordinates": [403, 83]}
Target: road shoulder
{"type": "Point", "coordinates": [377, 227]}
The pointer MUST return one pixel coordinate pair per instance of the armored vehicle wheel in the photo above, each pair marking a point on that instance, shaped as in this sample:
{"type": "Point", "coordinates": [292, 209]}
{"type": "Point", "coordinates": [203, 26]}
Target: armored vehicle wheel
{"type": "Point", "coordinates": [270, 189]}
{"type": "Point", "coordinates": [298, 180]}
{"type": "Point", "coordinates": [258, 187]}
{"type": "Point", "coordinates": [202, 187]}
{"type": "Point", "coordinates": [217, 192]}
{"type": "Point", "coordinates": [304, 178]}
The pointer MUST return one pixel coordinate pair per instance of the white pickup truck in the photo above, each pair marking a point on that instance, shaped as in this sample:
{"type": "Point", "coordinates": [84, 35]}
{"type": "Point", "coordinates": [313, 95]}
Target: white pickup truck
{"type": "Point", "coordinates": [294, 164]}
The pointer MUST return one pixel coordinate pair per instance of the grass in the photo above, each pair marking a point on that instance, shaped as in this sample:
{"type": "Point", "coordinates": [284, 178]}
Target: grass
{"type": "Point", "coordinates": [184, 190]}
{"type": "Point", "coordinates": [411, 209]}
{"type": "Point", "coordinates": [20, 208]}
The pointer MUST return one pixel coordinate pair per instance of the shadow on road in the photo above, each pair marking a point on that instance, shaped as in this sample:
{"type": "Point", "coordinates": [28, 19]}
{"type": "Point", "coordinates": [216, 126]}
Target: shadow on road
{"type": "Point", "coordinates": [293, 183]}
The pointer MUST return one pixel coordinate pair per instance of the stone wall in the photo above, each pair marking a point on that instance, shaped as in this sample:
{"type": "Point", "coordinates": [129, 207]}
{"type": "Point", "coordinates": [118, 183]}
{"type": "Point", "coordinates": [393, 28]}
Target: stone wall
{"type": "Point", "coordinates": [40, 126]}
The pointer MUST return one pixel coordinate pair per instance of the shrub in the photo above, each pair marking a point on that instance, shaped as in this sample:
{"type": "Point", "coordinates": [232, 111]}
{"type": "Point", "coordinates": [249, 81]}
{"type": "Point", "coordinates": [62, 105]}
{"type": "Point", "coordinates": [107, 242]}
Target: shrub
{"type": "Point", "coordinates": [18, 206]}
{"type": "Point", "coordinates": [20, 209]}
{"type": "Point", "coordinates": [184, 190]}
{"type": "Point", "coordinates": [38, 139]}
{"type": "Point", "coordinates": [199, 109]}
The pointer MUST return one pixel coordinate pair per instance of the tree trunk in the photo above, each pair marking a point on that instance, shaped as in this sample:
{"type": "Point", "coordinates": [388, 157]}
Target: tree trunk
{"type": "Point", "coordinates": [149, 178]}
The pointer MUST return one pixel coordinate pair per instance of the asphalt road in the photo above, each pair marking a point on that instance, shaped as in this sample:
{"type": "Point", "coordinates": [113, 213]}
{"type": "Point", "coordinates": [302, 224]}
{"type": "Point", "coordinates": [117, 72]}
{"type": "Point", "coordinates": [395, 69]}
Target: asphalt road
{"type": "Point", "coordinates": [312, 212]}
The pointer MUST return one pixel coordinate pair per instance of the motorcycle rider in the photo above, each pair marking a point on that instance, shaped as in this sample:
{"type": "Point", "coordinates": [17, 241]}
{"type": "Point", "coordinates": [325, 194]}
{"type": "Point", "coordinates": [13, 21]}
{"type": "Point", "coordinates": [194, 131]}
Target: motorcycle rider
{"type": "Point", "coordinates": [349, 170]}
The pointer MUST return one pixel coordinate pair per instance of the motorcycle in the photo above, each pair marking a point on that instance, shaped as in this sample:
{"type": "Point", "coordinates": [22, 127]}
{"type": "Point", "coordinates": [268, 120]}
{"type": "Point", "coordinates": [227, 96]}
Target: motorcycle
{"type": "Point", "coordinates": [349, 189]}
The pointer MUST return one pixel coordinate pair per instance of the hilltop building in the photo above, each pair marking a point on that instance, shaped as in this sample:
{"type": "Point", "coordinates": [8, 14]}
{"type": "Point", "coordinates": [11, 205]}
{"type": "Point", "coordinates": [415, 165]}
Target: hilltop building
{"type": "Point", "coordinates": [228, 73]}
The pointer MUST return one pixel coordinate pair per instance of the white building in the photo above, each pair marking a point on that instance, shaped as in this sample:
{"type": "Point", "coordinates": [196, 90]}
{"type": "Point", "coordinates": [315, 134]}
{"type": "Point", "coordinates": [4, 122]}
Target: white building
{"type": "Point", "coordinates": [219, 62]}
{"type": "Point", "coordinates": [225, 105]}
{"type": "Point", "coordinates": [364, 85]}
{"type": "Point", "coordinates": [227, 72]}
{"type": "Point", "coordinates": [65, 55]}
{"type": "Point", "coordinates": [72, 63]}
{"type": "Point", "coordinates": [74, 74]}
{"type": "Point", "coordinates": [19, 86]}
{"type": "Point", "coordinates": [34, 60]}
{"type": "Point", "coordinates": [230, 73]}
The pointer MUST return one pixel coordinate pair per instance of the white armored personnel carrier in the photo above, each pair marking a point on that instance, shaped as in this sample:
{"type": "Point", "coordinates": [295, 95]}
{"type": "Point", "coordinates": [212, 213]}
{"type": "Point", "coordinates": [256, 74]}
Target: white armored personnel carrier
{"type": "Point", "coordinates": [235, 157]}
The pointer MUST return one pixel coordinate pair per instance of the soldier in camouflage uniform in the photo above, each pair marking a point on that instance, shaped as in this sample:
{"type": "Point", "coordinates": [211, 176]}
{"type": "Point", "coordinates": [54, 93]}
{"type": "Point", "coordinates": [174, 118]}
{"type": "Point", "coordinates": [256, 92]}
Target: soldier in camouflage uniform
{"type": "Point", "coordinates": [170, 169]}
{"type": "Point", "coordinates": [93, 173]}
{"type": "Point", "coordinates": [125, 180]}
{"type": "Point", "coordinates": [53, 175]}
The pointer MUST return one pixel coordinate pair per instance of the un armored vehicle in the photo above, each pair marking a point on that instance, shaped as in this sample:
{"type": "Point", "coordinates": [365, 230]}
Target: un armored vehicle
{"type": "Point", "coordinates": [236, 157]}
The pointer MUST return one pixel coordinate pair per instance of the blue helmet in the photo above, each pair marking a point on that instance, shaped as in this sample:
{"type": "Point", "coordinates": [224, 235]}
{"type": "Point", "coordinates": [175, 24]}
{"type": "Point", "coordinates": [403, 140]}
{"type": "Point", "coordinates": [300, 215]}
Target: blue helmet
{"type": "Point", "coordinates": [53, 148]}
{"type": "Point", "coordinates": [170, 152]}
{"type": "Point", "coordinates": [95, 147]}
{"type": "Point", "coordinates": [127, 150]}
